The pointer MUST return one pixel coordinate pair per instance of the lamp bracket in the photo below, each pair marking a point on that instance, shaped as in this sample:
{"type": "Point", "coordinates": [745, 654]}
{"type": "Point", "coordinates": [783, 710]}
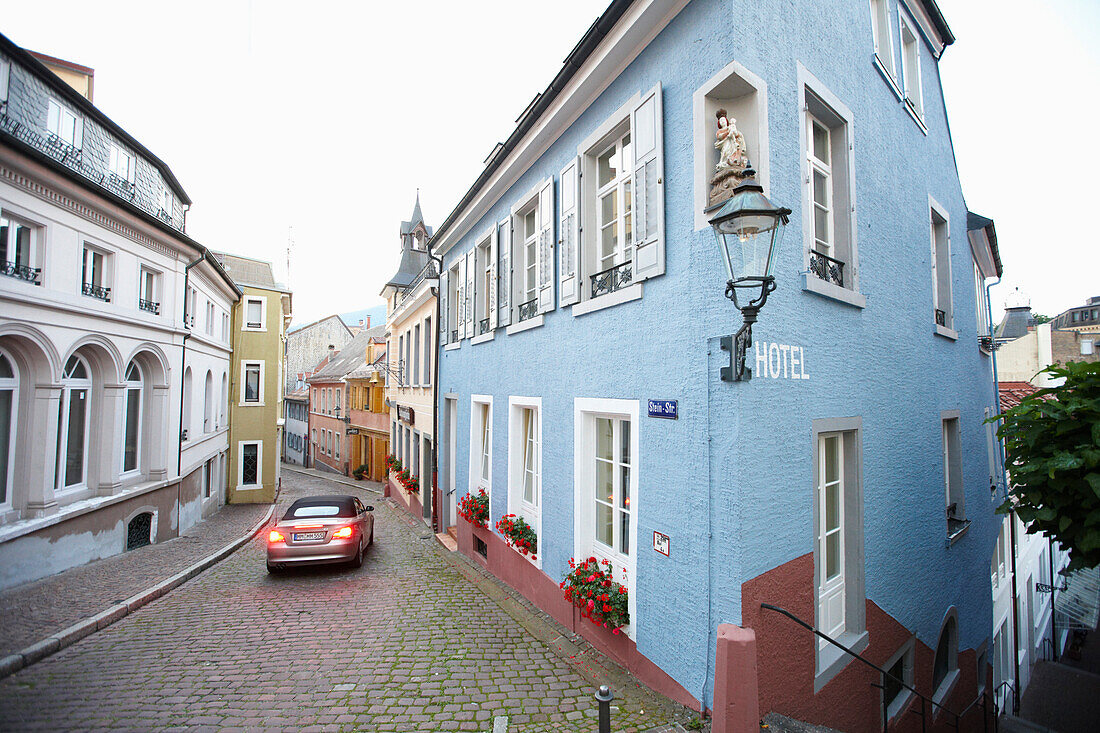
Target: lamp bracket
{"type": "Point", "coordinates": [739, 343]}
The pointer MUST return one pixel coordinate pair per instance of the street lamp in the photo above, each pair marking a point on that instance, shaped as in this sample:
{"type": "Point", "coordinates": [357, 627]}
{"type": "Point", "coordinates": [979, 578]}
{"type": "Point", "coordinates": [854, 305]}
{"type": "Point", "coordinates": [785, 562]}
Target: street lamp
{"type": "Point", "coordinates": [345, 418]}
{"type": "Point", "coordinates": [749, 229]}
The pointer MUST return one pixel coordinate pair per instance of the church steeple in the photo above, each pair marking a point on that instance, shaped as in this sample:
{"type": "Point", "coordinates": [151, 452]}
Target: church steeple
{"type": "Point", "coordinates": [415, 233]}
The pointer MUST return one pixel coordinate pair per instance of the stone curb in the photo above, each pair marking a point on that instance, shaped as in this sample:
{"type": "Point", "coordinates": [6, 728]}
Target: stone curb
{"type": "Point", "coordinates": [57, 641]}
{"type": "Point", "coordinates": [335, 478]}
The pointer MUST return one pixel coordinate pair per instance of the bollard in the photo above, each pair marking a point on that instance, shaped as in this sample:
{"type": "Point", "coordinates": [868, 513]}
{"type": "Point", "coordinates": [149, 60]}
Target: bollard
{"type": "Point", "coordinates": [604, 698]}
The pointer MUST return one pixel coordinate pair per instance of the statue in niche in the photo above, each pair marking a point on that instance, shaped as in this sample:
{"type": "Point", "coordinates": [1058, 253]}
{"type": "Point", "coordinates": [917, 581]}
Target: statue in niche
{"type": "Point", "coordinates": [733, 159]}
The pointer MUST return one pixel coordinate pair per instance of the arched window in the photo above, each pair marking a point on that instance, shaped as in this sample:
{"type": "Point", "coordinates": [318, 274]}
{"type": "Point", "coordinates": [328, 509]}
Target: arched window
{"type": "Point", "coordinates": [946, 660]}
{"type": "Point", "coordinates": [9, 397]}
{"type": "Point", "coordinates": [208, 403]}
{"type": "Point", "coordinates": [131, 439]}
{"type": "Point", "coordinates": [185, 424]}
{"type": "Point", "coordinates": [224, 401]}
{"type": "Point", "coordinates": [72, 425]}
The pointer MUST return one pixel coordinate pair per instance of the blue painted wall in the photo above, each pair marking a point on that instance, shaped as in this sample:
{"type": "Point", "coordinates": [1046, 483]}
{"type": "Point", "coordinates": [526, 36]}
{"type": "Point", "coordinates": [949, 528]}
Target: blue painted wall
{"type": "Point", "coordinates": [738, 464]}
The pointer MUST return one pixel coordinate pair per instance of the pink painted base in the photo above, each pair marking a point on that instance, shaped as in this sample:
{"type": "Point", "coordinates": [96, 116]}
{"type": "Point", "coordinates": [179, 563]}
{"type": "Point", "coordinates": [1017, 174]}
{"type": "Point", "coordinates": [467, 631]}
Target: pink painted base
{"type": "Point", "coordinates": [522, 575]}
{"type": "Point", "coordinates": [404, 498]}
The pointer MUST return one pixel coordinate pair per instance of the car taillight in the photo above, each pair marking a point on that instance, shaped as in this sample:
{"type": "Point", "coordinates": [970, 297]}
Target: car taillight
{"type": "Point", "coordinates": [275, 536]}
{"type": "Point", "coordinates": [342, 534]}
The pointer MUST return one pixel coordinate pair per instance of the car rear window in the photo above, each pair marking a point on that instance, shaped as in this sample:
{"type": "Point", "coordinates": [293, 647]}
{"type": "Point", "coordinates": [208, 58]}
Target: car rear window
{"type": "Point", "coordinates": [316, 511]}
{"type": "Point", "coordinates": [322, 506]}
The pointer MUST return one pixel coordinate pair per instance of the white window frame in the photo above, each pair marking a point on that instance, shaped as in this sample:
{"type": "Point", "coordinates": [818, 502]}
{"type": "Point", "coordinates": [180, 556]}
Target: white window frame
{"type": "Point", "coordinates": [954, 488]}
{"type": "Point", "coordinates": [263, 313]}
{"type": "Point", "coordinates": [139, 387]}
{"type": "Point", "coordinates": [152, 276]}
{"type": "Point", "coordinates": [624, 568]}
{"type": "Point", "coordinates": [907, 652]}
{"type": "Point", "coordinates": [166, 201]}
{"type": "Point", "coordinates": [60, 120]}
{"type": "Point", "coordinates": [945, 688]}
{"type": "Point", "coordinates": [67, 386]}
{"type": "Point", "coordinates": [34, 260]}
{"type": "Point", "coordinates": [982, 307]}
{"type": "Point", "coordinates": [105, 266]}
{"type": "Point", "coordinates": [11, 384]}
{"type": "Point", "coordinates": [481, 438]}
{"type": "Point", "coordinates": [483, 284]}
{"type": "Point", "coordinates": [616, 187]}
{"type": "Point", "coordinates": [122, 164]}
{"type": "Point", "coordinates": [241, 485]}
{"type": "Point", "coordinates": [885, 58]}
{"type": "Point", "coordinates": [1087, 347]}
{"type": "Point", "coordinates": [853, 633]}
{"type": "Point", "coordinates": [245, 364]}
{"type": "Point", "coordinates": [517, 468]}
{"type": "Point", "coordinates": [911, 68]}
{"type": "Point", "coordinates": [5, 73]}
{"type": "Point", "coordinates": [941, 300]}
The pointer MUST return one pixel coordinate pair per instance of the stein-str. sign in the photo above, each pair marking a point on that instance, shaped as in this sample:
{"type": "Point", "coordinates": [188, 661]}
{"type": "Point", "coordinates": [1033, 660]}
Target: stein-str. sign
{"type": "Point", "coordinates": [663, 408]}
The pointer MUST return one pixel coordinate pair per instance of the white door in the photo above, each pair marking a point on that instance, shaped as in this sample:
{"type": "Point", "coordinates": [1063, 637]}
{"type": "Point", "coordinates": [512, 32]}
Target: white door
{"type": "Point", "coordinates": [452, 447]}
{"type": "Point", "coordinates": [830, 512]}
{"type": "Point", "coordinates": [610, 470]}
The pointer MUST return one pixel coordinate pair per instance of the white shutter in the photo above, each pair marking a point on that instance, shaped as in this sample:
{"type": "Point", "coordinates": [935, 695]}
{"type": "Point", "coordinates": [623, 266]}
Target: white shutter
{"type": "Point", "coordinates": [648, 217]}
{"type": "Point", "coordinates": [112, 164]}
{"type": "Point", "coordinates": [460, 300]}
{"type": "Point", "coordinates": [471, 277]}
{"type": "Point", "coordinates": [444, 332]}
{"type": "Point", "coordinates": [493, 280]}
{"type": "Point", "coordinates": [78, 133]}
{"type": "Point", "coordinates": [568, 234]}
{"type": "Point", "coordinates": [5, 69]}
{"type": "Point", "coordinates": [545, 262]}
{"type": "Point", "coordinates": [504, 273]}
{"type": "Point", "coordinates": [53, 117]}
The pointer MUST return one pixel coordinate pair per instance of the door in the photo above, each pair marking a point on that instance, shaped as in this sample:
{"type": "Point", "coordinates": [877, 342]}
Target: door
{"type": "Point", "coordinates": [378, 460]}
{"type": "Point", "coordinates": [830, 514]}
{"type": "Point", "coordinates": [452, 446]}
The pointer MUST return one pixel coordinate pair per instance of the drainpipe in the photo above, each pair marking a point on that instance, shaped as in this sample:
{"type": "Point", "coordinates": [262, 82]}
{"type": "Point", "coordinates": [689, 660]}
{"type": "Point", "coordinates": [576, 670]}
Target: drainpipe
{"type": "Point", "coordinates": [437, 517]}
{"type": "Point", "coordinates": [183, 372]}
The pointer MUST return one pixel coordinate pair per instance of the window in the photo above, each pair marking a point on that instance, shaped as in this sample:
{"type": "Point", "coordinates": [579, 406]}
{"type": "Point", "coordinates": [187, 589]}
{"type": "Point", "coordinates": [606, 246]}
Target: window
{"type": "Point", "coordinates": [72, 425]}
{"type": "Point", "coordinates": [252, 383]}
{"type": "Point", "coordinates": [910, 68]}
{"type": "Point", "coordinates": [223, 401]}
{"type": "Point", "coordinates": [403, 380]}
{"type": "Point", "coordinates": [250, 475]}
{"type": "Point", "coordinates": [9, 404]}
{"type": "Point", "coordinates": [428, 351]}
{"type": "Point", "coordinates": [147, 290]}
{"type": "Point", "coordinates": [415, 362]}
{"type": "Point", "coordinates": [952, 475]}
{"type": "Point", "coordinates": [828, 195]}
{"type": "Point", "coordinates": [619, 230]}
{"type": "Point", "coordinates": [900, 673]}
{"type": "Point", "coordinates": [314, 436]}
{"type": "Point", "coordinates": [122, 165]}
{"type": "Point", "coordinates": [838, 550]}
{"type": "Point", "coordinates": [452, 331]}
{"type": "Point", "coordinates": [982, 306]}
{"type": "Point", "coordinates": [336, 443]}
{"type": "Point", "coordinates": [255, 314]}
{"type": "Point", "coordinates": [131, 443]}
{"type": "Point", "coordinates": [945, 666]}
{"type": "Point", "coordinates": [208, 403]}
{"type": "Point", "coordinates": [1086, 347]}
{"type": "Point", "coordinates": [185, 419]}
{"type": "Point", "coordinates": [64, 126]}
{"type": "Point", "coordinates": [225, 327]}
{"type": "Point", "coordinates": [19, 249]}
{"type": "Point", "coordinates": [606, 484]}
{"type": "Point", "coordinates": [5, 72]}
{"type": "Point", "coordinates": [997, 566]}
{"type": "Point", "coordinates": [941, 270]}
{"type": "Point", "coordinates": [165, 201]}
{"type": "Point", "coordinates": [1002, 664]}
{"type": "Point", "coordinates": [525, 460]}
{"type": "Point", "coordinates": [485, 284]}
{"type": "Point", "coordinates": [881, 31]}
{"type": "Point", "coordinates": [481, 440]}
{"type": "Point", "coordinates": [207, 476]}
{"type": "Point", "coordinates": [528, 257]}
{"type": "Point", "coordinates": [93, 275]}
{"type": "Point", "coordinates": [190, 305]}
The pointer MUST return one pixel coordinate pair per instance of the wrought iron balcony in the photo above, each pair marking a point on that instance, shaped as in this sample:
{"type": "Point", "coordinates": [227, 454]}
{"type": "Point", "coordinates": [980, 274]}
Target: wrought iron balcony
{"type": "Point", "coordinates": [612, 279]}
{"type": "Point", "coordinates": [149, 305]}
{"type": "Point", "coordinates": [827, 268]}
{"type": "Point", "coordinates": [483, 326]}
{"type": "Point", "coordinates": [454, 336]}
{"type": "Point", "coordinates": [941, 318]}
{"type": "Point", "coordinates": [96, 291]}
{"type": "Point", "coordinates": [429, 272]}
{"type": "Point", "coordinates": [21, 272]}
{"type": "Point", "coordinates": [529, 309]}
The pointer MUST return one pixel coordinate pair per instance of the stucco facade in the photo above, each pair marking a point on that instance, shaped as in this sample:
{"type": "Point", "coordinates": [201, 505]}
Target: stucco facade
{"type": "Point", "coordinates": [872, 369]}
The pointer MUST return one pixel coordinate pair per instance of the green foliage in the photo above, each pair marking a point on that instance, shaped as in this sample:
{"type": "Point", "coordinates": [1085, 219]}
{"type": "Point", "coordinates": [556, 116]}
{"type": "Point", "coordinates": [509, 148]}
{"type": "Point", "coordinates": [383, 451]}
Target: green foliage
{"type": "Point", "coordinates": [1052, 441]}
{"type": "Point", "coordinates": [694, 724]}
{"type": "Point", "coordinates": [1040, 318]}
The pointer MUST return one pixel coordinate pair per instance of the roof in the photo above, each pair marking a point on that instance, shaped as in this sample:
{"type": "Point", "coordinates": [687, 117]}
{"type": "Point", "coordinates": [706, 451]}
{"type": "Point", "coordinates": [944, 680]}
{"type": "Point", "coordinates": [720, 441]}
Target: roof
{"type": "Point", "coordinates": [1013, 392]}
{"type": "Point", "coordinates": [589, 42]}
{"type": "Point", "coordinates": [75, 98]}
{"type": "Point", "coordinates": [367, 370]}
{"type": "Point", "coordinates": [412, 262]}
{"type": "Point", "coordinates": [977, 221]}
{"type": "Point", "coordinates": [1016, 323]}
{"type": "Point", "coordinates": [417, 217]}
{"type": "Point", "coordinates": [47, 59]}
{"type": "Point", "coordinates": [247, 271]}
{"type": "Point", "coordinates": [348, 358]}
{"type": "Point", "coordinates": [319, 320]}
{"type": "Point", "coordinates": [298, 394]}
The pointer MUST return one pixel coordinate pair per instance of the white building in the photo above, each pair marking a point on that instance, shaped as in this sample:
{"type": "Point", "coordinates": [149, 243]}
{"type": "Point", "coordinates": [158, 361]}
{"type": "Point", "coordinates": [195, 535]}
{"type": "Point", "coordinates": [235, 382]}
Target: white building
{"type": "Point", "coordinates": [296, 432]}
{"type": "Point", "coordinates": [114, 336]}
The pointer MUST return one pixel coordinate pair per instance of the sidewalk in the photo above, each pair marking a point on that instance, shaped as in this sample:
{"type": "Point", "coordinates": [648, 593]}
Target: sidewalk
{"type": "Point", "coordinates": [36, 611]}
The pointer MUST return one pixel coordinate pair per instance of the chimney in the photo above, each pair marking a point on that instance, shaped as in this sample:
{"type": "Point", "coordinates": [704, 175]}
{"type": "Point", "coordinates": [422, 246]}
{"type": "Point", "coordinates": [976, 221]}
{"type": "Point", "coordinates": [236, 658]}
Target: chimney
{"type": "Point", "coordinates": [360, 324]}
{"type": "Point", "coordinates": [368, 322]}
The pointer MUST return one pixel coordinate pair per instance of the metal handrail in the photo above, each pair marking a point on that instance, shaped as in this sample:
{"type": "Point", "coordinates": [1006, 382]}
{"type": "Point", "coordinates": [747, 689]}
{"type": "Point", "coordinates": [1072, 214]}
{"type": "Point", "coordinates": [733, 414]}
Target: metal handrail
{"type": "Point", "coordinates": [885, 718]}
{"type": "Point", "coordinates": [827, 268]}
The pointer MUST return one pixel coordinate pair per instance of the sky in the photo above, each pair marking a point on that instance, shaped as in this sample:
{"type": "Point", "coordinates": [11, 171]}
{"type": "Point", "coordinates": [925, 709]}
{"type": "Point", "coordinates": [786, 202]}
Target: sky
{"type": "Point", "coordinates": [313, 124]}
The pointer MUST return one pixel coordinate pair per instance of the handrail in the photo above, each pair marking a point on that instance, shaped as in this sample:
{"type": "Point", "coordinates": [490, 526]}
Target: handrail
{"type": "Point", "coordinates": [924, 698]}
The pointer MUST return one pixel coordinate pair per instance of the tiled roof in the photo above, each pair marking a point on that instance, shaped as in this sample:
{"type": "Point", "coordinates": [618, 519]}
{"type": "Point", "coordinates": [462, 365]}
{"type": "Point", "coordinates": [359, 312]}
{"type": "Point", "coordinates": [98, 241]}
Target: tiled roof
{"type": "Point", "coordinates": [245, 270]}
{"type": "Point", "coordinates": [349, 358]}
{"type": "Point", "coordinates": [1013, 392]}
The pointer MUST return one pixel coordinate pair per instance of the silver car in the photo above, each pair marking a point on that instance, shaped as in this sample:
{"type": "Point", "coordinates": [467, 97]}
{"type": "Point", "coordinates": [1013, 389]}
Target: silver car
{"type": "Point", "coordinates": [319, 530]}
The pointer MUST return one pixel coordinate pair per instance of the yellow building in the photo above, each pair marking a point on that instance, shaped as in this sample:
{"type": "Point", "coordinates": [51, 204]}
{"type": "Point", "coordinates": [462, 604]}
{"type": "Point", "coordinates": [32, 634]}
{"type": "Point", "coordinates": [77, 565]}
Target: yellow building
{"type": "Point", "coordinates": [258, 336]}
{"type": "Point", "coordinates": [369, 429]}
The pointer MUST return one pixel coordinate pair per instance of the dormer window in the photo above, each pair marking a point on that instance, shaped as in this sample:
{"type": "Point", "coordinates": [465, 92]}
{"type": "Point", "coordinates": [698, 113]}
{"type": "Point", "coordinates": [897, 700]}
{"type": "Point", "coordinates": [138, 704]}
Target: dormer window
{"type": "Point", "coordinates": [123, 165]}
{"type": "Point", "coordinates": [65, 125]}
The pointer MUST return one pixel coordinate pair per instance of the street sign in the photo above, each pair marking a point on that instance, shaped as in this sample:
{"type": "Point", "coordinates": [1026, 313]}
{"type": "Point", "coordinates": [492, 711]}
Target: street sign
{"type": "Point", "coordinates": [664, 408]}
{"type": "Point", "coordinates": [353, 431]}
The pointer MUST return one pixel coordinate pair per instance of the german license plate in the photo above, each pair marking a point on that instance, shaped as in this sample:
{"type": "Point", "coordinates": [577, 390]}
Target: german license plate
{"type": "Point", "coordinates": [307, 536]}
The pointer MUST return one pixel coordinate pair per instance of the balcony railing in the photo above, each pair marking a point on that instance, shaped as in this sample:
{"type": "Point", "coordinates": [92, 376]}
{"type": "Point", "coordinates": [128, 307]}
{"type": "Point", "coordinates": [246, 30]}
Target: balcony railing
{"type": "Point", "coordinates": [612, 279]}
{"type": "Point", "coordinates": [483, 326]}
{"type": "Point", "coordinates": [97, 291]}
{"type": "Point", "coordinates": [428, 273]}
{"type": "Point", "coordinates": [827, 268]}
{"type": "Point", "coordinates": [21, 272]}
{"type": "Point", "coordinates": [72, 158]}
{"type": "Point", "coordinates": [941, 318]}
{"type": "Point", "coordinates": [149, 305]}
{"type": "Point", "coordinates": [528, 309]}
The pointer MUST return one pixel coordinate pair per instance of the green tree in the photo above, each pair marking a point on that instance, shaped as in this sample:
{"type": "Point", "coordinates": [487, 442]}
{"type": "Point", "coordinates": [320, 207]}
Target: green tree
{"type": "Point", "coordinates": [1040, 318]}
{"type": "Point", "coordinates": [1052, 442]}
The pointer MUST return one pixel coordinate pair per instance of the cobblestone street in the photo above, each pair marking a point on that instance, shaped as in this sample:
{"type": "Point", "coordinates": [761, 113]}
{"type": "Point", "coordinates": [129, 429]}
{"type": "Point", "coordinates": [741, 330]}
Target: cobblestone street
{"type": "Point", "coordinates": [405, 643]}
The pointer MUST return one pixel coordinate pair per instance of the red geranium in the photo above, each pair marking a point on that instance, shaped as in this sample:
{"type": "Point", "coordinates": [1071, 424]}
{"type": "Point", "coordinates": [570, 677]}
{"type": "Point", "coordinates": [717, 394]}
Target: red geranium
{"type": "Point", "coordinates": [519, 534]}
{"type": "Point", "coordinates": [475, 509]}
{"type": "Point", "coordinates": [585, 585]}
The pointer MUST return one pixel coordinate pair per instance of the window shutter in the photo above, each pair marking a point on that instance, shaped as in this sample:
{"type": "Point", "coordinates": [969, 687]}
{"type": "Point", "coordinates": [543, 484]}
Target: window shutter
{"type": "Point", "coordinates": [5, 69]}
{"type": "Point", "coordinates": [646, 135]}
{"type": "Point", "coordinates": [460, 300]}
{"type": "Point", "coordinates": [444, 292]}
{"type": "Point", "coordinates": [568, 234]}
{"type": "Point", "coordinates": [471, 276]}
{"type": "Point", "coordinates": [493, 245]}
{"type": "Point", "coordinates": [78, 133]}
{"type": "Point", "coordinates": [113, 162]}
{"type": "Point", "coordinates": [504, 273]}
{"type": "Point", "coordinates": [545, 263]}
{"type": "Point", "coordinates": [53, 117]}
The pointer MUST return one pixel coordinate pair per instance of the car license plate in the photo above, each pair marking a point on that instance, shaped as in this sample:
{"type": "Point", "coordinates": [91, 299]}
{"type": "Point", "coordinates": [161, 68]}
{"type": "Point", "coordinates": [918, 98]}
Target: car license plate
{"type": "Point", "coordinates": [307, 536]}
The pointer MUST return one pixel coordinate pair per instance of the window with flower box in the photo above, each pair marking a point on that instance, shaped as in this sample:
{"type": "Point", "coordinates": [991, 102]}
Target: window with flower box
{"type": "Point", "coordinates": [525, 460]}
{"type": "Point", "coordinates": [481, 442]}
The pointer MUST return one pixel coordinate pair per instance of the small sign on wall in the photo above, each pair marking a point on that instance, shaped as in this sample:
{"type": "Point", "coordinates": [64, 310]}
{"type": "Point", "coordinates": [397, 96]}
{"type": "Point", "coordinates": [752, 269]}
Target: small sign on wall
{"type": "Point", "coordinates": [664, 408]}
{"type": "Point", "coordinates": [661, 543]}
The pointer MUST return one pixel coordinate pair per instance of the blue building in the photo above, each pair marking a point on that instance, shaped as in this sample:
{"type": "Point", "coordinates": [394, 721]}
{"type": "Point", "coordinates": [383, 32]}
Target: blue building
{"type": "Point", "coordinates": [850, 481]}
